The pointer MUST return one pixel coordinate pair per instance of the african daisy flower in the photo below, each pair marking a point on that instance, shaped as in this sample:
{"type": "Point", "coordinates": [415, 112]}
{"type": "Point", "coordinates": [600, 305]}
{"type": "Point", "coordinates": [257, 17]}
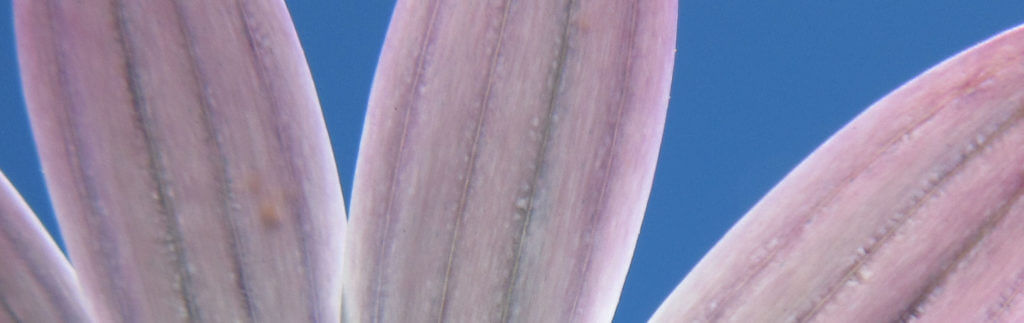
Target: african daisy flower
{"type": "Point", "coordinates": [506, 160]}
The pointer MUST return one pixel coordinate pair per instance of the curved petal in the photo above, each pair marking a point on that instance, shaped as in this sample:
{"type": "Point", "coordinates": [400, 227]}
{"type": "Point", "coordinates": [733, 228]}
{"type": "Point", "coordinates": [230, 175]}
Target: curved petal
{"type": "Point", "coordinates": [913, 210]}
{"type": "Point", "coordinates": [507, 158]}
{"type": "Point", "coordinates": [36, 282]}
{"type": "Point", "coordinates": [186, 156]}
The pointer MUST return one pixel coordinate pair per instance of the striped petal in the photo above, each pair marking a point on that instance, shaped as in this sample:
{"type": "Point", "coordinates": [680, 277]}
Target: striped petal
{"type": "Point", "coordinates": [36, 282]}
{"type": "Point", "coordinates": [187, 158]}
{"type": "Point", "coordinates": [506, 159]}
{"type": "Point", "coordinates": [912, 211]}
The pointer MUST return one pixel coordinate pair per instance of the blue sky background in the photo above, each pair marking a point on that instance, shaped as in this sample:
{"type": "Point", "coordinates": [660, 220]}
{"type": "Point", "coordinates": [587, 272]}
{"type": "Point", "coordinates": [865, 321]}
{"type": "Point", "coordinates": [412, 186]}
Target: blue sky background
{"type": "Point", "coordinates": [757, 86]}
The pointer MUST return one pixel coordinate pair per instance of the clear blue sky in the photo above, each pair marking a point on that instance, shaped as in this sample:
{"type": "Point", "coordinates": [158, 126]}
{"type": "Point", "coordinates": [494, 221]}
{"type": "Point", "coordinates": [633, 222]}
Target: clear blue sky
{"type": "Point", "coordinates": [757, 86]}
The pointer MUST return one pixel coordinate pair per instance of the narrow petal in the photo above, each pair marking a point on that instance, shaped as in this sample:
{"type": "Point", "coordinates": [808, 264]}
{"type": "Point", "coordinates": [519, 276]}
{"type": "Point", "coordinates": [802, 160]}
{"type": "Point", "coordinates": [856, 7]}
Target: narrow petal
{"type": "Point", "coordinates": [506, 159]}
{"type": "Point", "coordinates": [913, 210]}
{"type": "Point", "coordinates": [187, 158]}
{"type": "Point", "coordinates": [36, 282]}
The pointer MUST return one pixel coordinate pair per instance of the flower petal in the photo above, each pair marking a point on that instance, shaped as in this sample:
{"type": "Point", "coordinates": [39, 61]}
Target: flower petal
{"type": "Point", "coordinates": [912, 210]}
{"type": "Point", "coordinates": [506, 159]}
{"type": "Point", "coordinates": [187, 158]}
{"type": "Point", "coordinates": [36, 282]}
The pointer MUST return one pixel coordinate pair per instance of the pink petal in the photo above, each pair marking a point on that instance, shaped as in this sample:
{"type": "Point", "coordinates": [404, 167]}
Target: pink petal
{"type": "Point", "coordinates": [36, 283]}
{"type": "Point", "coordinates": [913, 210]}
{"type": "Point", "coordinates": [187, 158]}
{"type": "Point", "coordinates": [506, 159]}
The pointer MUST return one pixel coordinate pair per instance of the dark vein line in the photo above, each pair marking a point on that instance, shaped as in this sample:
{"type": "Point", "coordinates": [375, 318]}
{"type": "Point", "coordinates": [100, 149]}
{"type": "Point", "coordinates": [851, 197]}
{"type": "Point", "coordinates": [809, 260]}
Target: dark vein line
{"type": "Point", "coordinates": [559, 73]}
{"type": "Point", "coordinates": [980, 234]}
{"type": "Point", "coordinates": [298, 201]}
{"type": "Point", "coordinates": [592, 221]}
{"type": "Point", "coordinates": [219, 159]}
{"type": "Point", "coordinates": [9, 311]}
{"type": "Point", "coordinates": [1009, 296]}
{"type": "Point", "coordinates": [95, 217]}
{"type": "Point", "coordinates": [460, 212]}
{"type": "Point", "coordinates": [144, 124]}
{"type": "Point", "coordinates": [421, 57]}
{"type": "Point", "coordinates": [913, 211]}
{"type": "Point", "coordinates": [728, 301]}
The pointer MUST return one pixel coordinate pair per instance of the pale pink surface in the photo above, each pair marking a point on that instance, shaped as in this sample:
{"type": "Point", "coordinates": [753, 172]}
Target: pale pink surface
{"type": "Point", "coordinates": [506, 159]}
{"type": "Point", "coordinates": [906, 208]}
{"type": "Point", "coordinates": [187, 158]}
{"type": "Point", "coordinates": [36, 282]}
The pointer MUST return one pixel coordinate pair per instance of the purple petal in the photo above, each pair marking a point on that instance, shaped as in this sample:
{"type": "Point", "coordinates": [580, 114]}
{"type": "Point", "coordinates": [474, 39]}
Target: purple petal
{"type": "Point", "coordinates": [506, 159]}
{"type": "Point", "coordinates": [187, 158]}
{"type": "Point", "coordinates": [913, 210]}
{"type": "Point", "coordinates": [36, 282]}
